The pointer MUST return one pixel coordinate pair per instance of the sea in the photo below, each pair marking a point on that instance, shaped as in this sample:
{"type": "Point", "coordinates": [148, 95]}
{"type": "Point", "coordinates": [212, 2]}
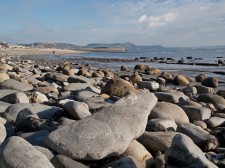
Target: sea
{"type": "Point", "coordinates": [209, 55]}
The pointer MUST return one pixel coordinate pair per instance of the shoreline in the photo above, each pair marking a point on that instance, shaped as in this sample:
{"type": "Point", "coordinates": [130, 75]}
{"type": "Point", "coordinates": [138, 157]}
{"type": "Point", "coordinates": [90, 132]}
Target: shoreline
{"type": "Point", "coordinates": [36, 51]}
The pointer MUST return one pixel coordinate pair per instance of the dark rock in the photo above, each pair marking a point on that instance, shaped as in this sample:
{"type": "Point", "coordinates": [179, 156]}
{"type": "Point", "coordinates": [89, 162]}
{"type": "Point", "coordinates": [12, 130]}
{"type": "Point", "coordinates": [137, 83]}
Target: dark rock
{"type": "Point", "coordinates": [210, 82]}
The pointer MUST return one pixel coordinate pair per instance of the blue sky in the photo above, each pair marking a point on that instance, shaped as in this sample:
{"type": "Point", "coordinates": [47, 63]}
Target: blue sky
{"type": "Point", "coordinates": [142, 22]}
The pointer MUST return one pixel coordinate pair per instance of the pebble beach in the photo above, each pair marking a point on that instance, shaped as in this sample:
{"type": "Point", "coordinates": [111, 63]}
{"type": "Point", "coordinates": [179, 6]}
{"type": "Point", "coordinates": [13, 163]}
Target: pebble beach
{"type": "Point", "coordinates": [70, 114]}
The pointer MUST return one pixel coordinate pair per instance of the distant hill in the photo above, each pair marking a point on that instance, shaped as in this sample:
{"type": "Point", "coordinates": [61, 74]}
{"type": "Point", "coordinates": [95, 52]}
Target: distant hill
{"type": "Point", "coordinates": [120, 47]}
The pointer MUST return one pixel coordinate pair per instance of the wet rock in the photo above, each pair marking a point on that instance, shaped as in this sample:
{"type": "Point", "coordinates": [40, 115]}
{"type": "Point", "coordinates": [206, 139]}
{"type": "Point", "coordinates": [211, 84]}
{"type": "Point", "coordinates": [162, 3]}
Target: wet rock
{"type": "Point", "coordinates": [203, 89]}
{"type": "Point", "coordinates": [161, 124]}
{"type": "Point", "coordinates": [2, 133]}
{"type": "Point", "coordinates": [3, 76]}
{"type": "Point", "coordinates": [189, 154]}
{"type": "Point", "coordinates": [181, 80]}
{"type": "Point", "coordinates": [202, 138]}
{"type": "Point", "coordinates": [169, 110]}
{"type": "Point", "coordinates": [140, 153]}
{"type": "Point", "coordinates": [216, 122]}
{"type": "Point", "coordinates": [107, 132]}
{"type": "Point", "coordinates": [156, 141]}
{"type": "Point", "coordinates": [18, 97]}
{"type": "Point", "coordinates": [45, 151]}
{"type": "Point", "coordinates": [61, 161]}
{"type": "Point", "coordinates": [197, 113]}
{"type": "Point", "coordinates": [200, 77]}
{"type": "Point", "coordinates": [38, 97]}
{"type": "Point", "coordinates": [24, 154]}
{"type": "Point", "coordinates": [118, 87]}
{"type": "Point", "coordinates": [15, 85]}
{"type": "Point", "coordinates": [77, 110]}
{"type": "Point", "coordinates": [210, 82]}
{"type": "Point", "coordinates": [172, 97]}
{"type": "Point", "coordinates": [152, 86]}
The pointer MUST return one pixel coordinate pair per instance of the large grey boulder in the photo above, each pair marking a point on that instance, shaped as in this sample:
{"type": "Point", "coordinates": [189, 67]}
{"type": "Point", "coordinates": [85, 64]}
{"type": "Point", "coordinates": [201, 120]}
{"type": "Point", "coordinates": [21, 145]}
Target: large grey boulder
{"type": "Point", "coordinates": [184, 153]}
{"type": "Point", "coordinates": [77, 110]}
{"type": "Point", "coordinates": [2, 133]}
{"type": "Point", "coordinates": [107, 132]}
{"type": "Point", "coordinates": [197, 113]}
{"type": "Point", "coordinates": [169, 110]}
{"type": "Point", "coordinates": [202, 138]}
{"type": "Point", "coordinates": [15, 152]}
{"type": "Point", "coordinates": [15, 85]}
{"type": "Point", "coordinates": [43, 111]}
{"type": "Point", "coordinates": [172, 97]}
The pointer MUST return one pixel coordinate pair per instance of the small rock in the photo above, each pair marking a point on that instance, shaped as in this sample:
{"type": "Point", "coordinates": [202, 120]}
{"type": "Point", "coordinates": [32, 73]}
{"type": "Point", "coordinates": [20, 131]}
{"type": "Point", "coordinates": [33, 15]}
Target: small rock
{"type": "Point", "coordinates": [38, 97]}
{"type": "Point", "coordinates": [172, 97]}
{"type": "Point", "coordinates": [77, 110]}
{"type": "Point", "coordinates": [117, 87]}
{"type": "Point", "coordinates": [210, 98]}
{"type": "Point", "coordinates": [181, 80]}
{"type": "Point", "coordinates": [124, 68]}
{"type": "Point", "coordinates": [161, 124]}
{"type": "Point", "coordinates": [200, 77]}
{"type": "Point", "coordinates": [3, 76]}
{"type": "Point", "coordinates": [2, 133]}
{"type": "Point", "coordinates": [201, 124]}
{"type": "Point", "coordinates": [196, 113]}
{"type": "Point", "coordinates": [135, 78]}
{"type": "Point", "coordinates": [189, 90]}
{"type": "Point", "coordinates": [210, 82]}
{"type": "Point", "coordinates": [140, 153]}
{"type": "Point", "coordinates": [152, 86]}
{"type": "Point", "coordinates": [221, 93]}
{"type": "Point", "coordinates": [203, 89]}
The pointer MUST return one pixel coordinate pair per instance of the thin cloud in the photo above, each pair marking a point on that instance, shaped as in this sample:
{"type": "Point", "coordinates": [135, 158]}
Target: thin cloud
{"type": "Point", "coordinates": [156, 21]}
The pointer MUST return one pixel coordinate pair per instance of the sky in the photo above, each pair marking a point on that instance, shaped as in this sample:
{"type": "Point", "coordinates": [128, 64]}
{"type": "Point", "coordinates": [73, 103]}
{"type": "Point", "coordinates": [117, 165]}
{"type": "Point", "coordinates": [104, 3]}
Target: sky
{"type": "Point", "coordinates": [181, 23]}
